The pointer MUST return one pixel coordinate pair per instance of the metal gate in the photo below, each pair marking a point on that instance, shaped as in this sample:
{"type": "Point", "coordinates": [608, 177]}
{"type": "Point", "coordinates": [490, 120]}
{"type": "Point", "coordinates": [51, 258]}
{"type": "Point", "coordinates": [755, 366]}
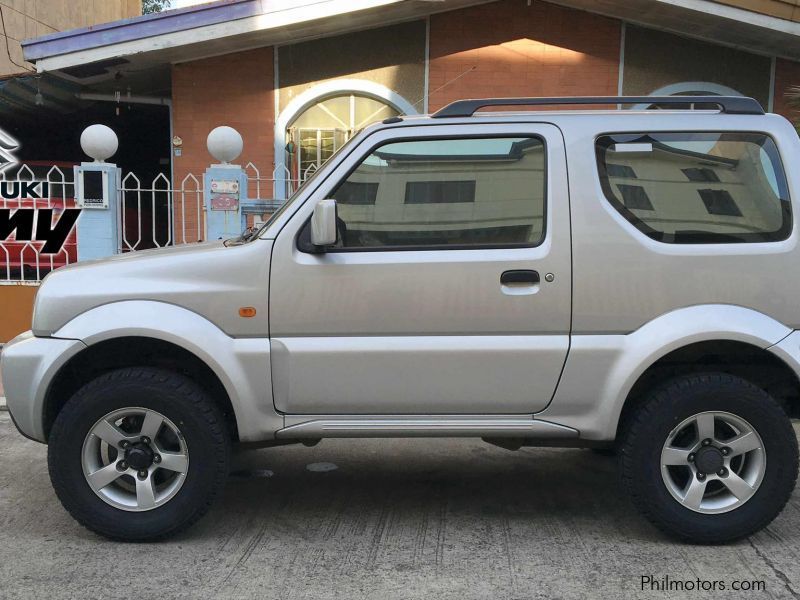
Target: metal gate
{"type": "Point", "coordinates": [158, 214]}
{"type": "Point", "coordinates": [22, 261]}
{"type": "Point", "coordinates": [153, 214]}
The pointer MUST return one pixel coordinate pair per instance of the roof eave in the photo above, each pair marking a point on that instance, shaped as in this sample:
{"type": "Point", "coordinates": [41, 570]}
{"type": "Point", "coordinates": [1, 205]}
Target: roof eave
{"type": "Point", "coordinates": [218, 22]}
{"type": "Point", "coordinates": [230, 26]}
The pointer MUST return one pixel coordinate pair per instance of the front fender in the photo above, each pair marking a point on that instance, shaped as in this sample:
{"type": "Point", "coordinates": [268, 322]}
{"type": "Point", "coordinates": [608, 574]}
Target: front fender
{"type": "Point", "coordinates": [601, 370]}
{"type": "Point", "coordinates": [242, 364]}
{"type": "Point", "coordinates": [29, 364]}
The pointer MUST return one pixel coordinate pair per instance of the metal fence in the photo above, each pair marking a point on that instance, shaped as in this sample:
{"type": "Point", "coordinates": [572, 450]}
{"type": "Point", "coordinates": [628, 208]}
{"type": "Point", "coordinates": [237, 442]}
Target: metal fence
{"type": "Point", "coordinates": [157, 214]}
{"type": "Point", "coordinates": [22, 261]}
{"type": "Point", "coordinates": [278, 186]}
{"type": "Point", "coordinates": [152, 214]}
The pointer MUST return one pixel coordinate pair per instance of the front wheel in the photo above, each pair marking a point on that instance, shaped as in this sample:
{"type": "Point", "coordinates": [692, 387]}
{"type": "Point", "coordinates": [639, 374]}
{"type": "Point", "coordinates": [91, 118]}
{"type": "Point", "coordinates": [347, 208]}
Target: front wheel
{"type": "Point", "coordinates": [138, 454]}
{"type": "Point", "coordinates": [709, 458]}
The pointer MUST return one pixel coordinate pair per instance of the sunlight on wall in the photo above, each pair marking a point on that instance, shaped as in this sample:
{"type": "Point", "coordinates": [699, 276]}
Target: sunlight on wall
{"type": "Point", "coordinates": [527, 49]}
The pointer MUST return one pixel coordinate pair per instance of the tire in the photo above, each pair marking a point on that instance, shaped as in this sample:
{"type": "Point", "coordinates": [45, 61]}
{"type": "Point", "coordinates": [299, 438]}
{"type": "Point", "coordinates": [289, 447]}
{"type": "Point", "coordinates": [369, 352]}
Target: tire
{"type": "Point", "coordinates": [721, 516]}
{"type": "Point", "coordinates": [605, 452]}
{"type": "Point", "coordinates": [202, 437]}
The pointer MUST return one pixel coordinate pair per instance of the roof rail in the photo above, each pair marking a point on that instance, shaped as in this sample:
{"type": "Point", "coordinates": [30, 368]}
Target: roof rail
{"type": "Point", "coordinates": [734, 105]}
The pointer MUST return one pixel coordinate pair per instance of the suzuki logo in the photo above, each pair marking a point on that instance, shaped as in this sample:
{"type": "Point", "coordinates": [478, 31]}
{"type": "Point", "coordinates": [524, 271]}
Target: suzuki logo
{"type": "Point", "coordinates": [35, 224]}
{"type": "Point", "coordinates": [53, 235]}
{"type": "Point", "coordinates": [7, 145]}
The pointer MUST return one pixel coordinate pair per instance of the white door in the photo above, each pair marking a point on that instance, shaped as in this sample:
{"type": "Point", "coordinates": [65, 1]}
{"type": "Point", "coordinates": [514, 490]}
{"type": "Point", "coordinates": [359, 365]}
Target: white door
{"type": "Point", "coordinates": [449, 290]}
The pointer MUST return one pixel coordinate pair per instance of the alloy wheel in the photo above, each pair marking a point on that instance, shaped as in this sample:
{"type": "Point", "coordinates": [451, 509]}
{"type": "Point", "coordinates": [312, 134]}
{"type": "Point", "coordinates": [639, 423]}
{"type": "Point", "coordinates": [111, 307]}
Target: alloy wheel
{"type": "Point", "coordinates": [135, 459]}
{"type": "Point", "coordinates": [713, 462]}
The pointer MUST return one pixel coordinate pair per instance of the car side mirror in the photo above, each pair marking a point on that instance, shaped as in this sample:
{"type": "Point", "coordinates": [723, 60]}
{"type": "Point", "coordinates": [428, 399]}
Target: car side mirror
{"type": "Point", "coordinates": [323, 223]}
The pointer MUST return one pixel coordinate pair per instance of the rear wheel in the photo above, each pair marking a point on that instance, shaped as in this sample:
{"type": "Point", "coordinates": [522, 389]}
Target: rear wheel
{"type": "Point", "coordinates": [709, 458]}
{"type": "Point", "coordinates": [138, 454]}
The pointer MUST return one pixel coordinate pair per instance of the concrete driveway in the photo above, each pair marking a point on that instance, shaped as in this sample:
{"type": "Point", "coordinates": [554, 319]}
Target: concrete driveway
{"type": "Point", "coordinates": [394, 519]}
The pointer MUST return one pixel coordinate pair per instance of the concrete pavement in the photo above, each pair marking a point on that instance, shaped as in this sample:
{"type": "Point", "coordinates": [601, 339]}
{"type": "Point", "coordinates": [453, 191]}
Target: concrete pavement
{"type": "Point", "coordinates": [433, 519]}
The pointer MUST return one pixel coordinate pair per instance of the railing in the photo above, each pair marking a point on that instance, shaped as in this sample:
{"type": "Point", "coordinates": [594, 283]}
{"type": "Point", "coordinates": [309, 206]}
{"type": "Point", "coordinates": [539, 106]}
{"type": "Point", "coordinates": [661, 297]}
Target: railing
{"type": "Point", "coordinates": [22, 262]}
{"type": "Point", "coordinates": [158, 214]}
{"type": "Point", "coordinates": [152, 214]}
{"type": "Point", "coordinates": [278, 187]}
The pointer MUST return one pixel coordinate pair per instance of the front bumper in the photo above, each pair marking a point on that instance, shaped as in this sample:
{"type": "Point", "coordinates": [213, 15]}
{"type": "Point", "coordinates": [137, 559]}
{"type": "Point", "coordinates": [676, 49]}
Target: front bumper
{"type": "Point", "coordinates": [28, 365]}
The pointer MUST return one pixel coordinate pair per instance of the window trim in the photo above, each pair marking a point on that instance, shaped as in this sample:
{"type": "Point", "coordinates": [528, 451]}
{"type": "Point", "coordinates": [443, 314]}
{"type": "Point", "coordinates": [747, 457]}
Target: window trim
{"type": "Point", "coordinates": [303, 237]}
{"type": "Point", "coordinates": [701, 238]}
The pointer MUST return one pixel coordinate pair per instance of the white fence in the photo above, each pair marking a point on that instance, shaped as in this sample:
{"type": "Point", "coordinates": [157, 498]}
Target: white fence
{"type": "Point", "coordinates": [148, 212]}
{"type": "Point", "coordinates": [22, 261]}
{"type": "Point", "coordinates": [152, 214]}
{"type": "Point", "coordinates": [156, 214]}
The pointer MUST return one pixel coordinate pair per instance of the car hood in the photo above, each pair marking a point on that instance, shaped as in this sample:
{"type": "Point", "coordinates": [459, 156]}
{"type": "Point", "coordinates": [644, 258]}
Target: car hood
{"type": "Point", "coordinates": [208, 278]}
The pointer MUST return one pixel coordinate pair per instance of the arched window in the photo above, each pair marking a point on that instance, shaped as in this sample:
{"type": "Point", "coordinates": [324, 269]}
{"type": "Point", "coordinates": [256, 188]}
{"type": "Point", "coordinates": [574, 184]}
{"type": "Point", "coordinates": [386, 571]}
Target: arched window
{"type": "Point", "coordinates": [321, 129]}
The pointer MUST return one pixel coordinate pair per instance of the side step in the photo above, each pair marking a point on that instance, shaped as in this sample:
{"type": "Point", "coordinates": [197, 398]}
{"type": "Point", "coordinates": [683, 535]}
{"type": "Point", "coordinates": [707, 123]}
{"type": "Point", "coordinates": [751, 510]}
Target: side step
{"type": "Point", "coordinates": [302, 427]}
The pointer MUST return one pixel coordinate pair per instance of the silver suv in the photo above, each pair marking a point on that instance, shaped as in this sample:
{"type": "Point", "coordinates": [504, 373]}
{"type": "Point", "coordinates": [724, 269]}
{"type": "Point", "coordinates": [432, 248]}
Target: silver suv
{"type": "Point", "coordinates": [625, 280]}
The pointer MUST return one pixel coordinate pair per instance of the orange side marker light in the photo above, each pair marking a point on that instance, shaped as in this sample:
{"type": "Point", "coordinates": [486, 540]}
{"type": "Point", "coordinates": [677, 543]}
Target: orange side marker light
{"type": "Point", "coordinates": [247, 312]}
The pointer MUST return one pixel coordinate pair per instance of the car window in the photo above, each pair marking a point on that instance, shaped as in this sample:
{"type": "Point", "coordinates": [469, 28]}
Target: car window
{"type": "Point", "coordinates": [445, 193]}
{"type": "Point", "coordinates": [697, 188]}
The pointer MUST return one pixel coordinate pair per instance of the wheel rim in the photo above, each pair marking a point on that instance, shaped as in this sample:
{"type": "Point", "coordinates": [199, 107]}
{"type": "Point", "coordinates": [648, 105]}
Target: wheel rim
{"type": "Point", "coordinates": [135, 459]}
{"type": "Point", "coordinates": [713, 462]}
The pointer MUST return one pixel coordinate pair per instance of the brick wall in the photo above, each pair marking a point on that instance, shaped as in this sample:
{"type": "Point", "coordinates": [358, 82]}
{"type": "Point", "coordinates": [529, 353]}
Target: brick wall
{"type": "Point", "coordinates": [787, 74]}
{"type": "Point", "coordinates": [504, 48]}
{"type": "Point", "coordinates": [508, 48]}
{"type": "Point", "coordinates": [235, 90]}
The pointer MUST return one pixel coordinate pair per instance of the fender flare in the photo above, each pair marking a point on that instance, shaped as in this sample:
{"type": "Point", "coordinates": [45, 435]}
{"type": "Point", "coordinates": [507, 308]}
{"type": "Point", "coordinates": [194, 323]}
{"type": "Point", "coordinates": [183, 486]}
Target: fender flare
{"type": "Point", "coordinates": [241, 364]}
{"type": "Point", "coordinates": [601, 370]}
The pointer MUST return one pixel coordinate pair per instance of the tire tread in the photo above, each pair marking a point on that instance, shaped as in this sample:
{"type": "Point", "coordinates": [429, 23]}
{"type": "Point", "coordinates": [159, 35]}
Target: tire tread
{"type": "Point", "coordinates": [177, 383]}
{"type": "Point", "coordinates": [656, 406]}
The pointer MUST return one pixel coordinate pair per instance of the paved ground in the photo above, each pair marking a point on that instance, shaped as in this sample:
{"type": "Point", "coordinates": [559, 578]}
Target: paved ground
{"type": "Point", "coordinates": [397, 519]}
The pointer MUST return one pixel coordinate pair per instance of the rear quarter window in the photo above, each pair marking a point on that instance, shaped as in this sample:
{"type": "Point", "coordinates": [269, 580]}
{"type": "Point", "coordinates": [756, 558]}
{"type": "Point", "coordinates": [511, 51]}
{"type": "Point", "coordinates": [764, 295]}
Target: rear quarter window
{"type": "Point", "coordinates": [697, 188]}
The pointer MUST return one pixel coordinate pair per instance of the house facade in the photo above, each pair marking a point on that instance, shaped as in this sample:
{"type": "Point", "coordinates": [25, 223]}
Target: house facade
{"type": "Point", "coordinates": [299, 102]}
{"type": "Point", "coordinates": [298, 78]}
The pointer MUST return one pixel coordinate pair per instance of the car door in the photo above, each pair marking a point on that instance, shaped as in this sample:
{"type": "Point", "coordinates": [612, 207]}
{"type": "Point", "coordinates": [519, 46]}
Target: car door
{"type": "Point", "coordinates": [449, 289]}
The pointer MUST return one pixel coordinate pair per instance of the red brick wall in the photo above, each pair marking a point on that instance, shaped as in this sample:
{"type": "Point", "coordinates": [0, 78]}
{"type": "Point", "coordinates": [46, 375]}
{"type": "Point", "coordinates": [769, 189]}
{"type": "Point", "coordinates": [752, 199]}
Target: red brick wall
{"type": "Point", "coordinates": [235, 90]}
{"type": "Point", "coordinates": [508, 48]}
{"type": "Point", "coordinates": [787, 74]}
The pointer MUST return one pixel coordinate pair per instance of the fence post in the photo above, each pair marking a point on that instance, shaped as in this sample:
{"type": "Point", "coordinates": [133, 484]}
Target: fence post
{"type": "Point", "coordinates": [224, 184]}
{"type": "Point", "coordinates": [96, 185]}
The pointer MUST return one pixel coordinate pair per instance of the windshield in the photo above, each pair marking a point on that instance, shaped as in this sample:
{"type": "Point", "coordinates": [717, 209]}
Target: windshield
{"type": "Point", "coordinates": [255, 234]}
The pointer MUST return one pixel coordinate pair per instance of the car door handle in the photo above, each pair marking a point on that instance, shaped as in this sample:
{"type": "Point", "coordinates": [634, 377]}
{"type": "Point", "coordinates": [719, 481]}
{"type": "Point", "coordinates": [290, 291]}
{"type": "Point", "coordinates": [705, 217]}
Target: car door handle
{"type": "Point", "coordinates": [519, 282]}
{"type": "Point", "coordinates": [519, 277]}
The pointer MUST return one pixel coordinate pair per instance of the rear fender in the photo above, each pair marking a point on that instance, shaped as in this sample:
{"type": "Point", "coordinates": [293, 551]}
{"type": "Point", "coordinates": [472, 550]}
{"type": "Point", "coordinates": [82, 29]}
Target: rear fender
{"type": "Point", "coordinates": [601, 370]}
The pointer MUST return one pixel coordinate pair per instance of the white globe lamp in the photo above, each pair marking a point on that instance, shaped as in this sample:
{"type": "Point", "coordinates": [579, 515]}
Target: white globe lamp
{"type": "Point", "coordinates": [225, 144]}
{"type": "Point", "coordinates": [99, 142]}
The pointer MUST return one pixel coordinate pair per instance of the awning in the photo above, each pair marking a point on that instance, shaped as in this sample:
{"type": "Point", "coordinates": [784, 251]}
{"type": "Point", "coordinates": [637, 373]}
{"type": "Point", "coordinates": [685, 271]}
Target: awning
{"type": "Point", "coordinates": [26, 96]}
{"type": "Point", "coordinates": [93, 54]}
